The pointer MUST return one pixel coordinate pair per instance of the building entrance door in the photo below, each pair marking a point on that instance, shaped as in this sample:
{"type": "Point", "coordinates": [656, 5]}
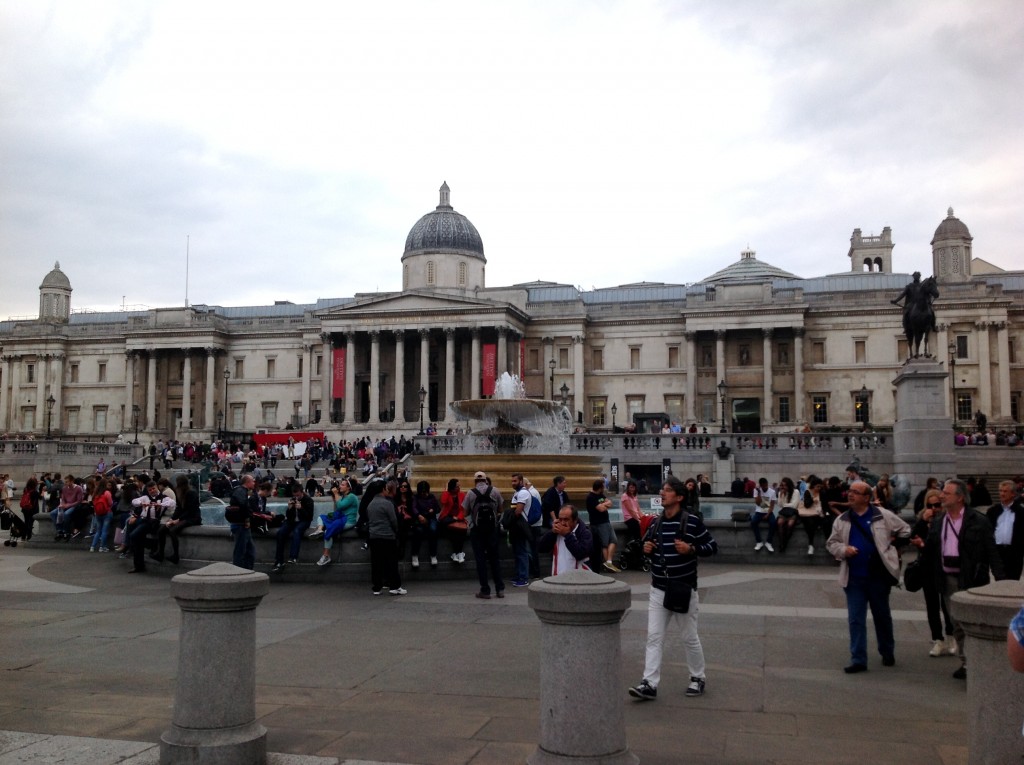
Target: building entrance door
{"type": "Point", "coordinates": [746, 415]}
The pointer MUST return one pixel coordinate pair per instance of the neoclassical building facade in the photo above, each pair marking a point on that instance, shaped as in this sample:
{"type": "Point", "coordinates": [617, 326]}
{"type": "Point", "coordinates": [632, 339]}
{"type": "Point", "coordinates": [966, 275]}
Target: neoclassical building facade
{"type": "Point", "coordinates": [752, 345]}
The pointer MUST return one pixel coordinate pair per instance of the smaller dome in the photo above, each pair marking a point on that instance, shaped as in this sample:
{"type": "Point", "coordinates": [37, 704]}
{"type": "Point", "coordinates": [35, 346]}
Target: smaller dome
{"type": "Point", "coordinates": [951, 228]}
{"type": "Point", "coordinates": [444, 230]}
{"type": "Point", "coordinates": [56, 279]}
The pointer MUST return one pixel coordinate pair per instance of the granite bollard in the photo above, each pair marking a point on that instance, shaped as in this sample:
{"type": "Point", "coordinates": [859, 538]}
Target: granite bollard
{"type": "Point", "coordinates": [215, 697]}
{"type": "Point", "coordinates": [581, 689]}
{"type": "Point", "coordinates": [995, 693]}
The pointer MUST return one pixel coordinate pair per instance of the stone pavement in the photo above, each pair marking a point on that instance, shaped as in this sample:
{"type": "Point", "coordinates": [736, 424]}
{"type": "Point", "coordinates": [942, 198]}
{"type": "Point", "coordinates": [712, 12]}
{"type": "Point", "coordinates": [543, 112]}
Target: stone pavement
{"type": "Point", "coordinates": [88, 656]}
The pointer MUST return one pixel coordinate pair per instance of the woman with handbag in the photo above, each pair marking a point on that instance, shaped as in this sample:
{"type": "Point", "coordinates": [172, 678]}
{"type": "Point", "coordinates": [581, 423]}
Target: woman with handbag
{"type": "Point", "coordinates": [674, 542]}
{"type": "Point", "coordinates": [935, 604]}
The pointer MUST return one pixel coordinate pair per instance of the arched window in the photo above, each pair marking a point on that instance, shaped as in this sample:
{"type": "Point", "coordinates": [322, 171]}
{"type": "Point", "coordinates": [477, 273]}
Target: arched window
{"type": "Point", "coordinates": [462, 273]}
{"type": "Point", "coordinates": [878, 265]}
{"type": "Point", "coordinates": [431, 274]}
{"type": "Point", "coordinates": [867, 264]}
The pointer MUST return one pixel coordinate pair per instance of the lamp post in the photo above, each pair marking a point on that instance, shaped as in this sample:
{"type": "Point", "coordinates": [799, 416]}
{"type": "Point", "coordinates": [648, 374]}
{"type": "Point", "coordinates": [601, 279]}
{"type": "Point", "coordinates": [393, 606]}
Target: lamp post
{"type": "Point", "coordinates": [952, 377]}
{"type": "Point", "coordinates": [50, 401]}
{"type": "Point", "coordinates": [564, 390]}
{"type": "Point", "coordinates": [227, 376]}
{"type": "Point", "coordinates": [614, 410]}
{"type": "Point", "coordinates": [551, 366]}
{"type": "Point", "coordinates": [135, 421]}
{"type": "Point", "coordinates": [862, 405]}
{"type": "Point", "coordinates": [422, 393]}
{"type": "Point", "coordinates": [723, 389]}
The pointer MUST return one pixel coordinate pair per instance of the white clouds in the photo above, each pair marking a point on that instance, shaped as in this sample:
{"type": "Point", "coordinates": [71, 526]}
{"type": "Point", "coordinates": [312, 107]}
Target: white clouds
{"type": "Point", "coordinates": [591, 143]}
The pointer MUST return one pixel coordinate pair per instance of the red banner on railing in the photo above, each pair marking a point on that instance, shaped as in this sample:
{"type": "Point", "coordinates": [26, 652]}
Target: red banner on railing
{"type": "Point", "coordinates": [338, 378]}
{"type": "Point", "coordinates": [489, 367]}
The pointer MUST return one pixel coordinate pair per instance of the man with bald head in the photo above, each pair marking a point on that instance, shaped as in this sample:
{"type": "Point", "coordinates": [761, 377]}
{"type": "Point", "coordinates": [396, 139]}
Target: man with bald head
{"type": "Point", "coordinates": [865, 540]}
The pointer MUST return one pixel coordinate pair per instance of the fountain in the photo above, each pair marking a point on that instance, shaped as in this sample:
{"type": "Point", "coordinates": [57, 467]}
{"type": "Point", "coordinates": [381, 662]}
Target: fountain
{"type": "Point", "coordinates": [511, 423]}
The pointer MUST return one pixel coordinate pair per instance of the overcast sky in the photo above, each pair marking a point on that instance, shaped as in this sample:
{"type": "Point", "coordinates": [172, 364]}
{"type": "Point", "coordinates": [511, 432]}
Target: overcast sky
{"type": "Point", "coordinates": [593, 143]}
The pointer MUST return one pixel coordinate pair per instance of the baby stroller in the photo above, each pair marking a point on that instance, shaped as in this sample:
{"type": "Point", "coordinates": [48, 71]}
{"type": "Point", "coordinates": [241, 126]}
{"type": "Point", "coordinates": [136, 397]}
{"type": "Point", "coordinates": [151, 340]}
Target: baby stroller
{"type": "Point", "coordinates": [9, 521]}
{"type": "Point", "coordinates": [632, 554]}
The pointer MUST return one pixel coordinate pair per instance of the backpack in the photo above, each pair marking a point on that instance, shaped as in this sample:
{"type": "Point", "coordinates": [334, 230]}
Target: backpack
{"type": "Point", "coordinates": [485, 508]}
{"type": "Point", "coordinates": [534, 511]}
{"type": "Point", "coordinates": [26, 501]}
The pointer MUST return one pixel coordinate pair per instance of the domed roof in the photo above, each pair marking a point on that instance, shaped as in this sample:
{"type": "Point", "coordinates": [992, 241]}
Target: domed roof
{"type": "Point", "coordinates": [444, 230]}
{"type": "Point", "coordinates": [56, 279]}
{"type": "Point", "coordinates": [748, 269]}
{"type": "Point", "coordinates": [951, 228]}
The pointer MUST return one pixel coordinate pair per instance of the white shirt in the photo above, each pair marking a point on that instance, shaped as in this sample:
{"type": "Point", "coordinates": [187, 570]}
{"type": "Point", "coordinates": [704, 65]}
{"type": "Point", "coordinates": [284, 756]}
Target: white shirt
{"type": "Point", "coordinates": [522, 497]}
{"type": "Point", "coordinates": [768, 499]}
{"type": "Point", "coordinates": [1004, 527]}
{"type": "Point", "coordinates": [563, 560]}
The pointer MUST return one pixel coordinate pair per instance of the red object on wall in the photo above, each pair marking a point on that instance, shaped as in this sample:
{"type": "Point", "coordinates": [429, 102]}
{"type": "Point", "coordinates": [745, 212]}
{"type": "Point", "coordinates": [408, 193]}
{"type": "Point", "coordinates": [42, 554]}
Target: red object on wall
{"type": "Point", "coordinates": [338, 381]}
{"type": "Point", "coordinates": [489, 367]}
{"type": "Point", "coordinates": [522, 359]}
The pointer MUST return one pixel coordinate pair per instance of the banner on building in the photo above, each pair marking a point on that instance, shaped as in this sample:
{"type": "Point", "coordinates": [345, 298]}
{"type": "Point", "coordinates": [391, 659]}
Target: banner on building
{"type": "Point", "coordinates": [489, 367]}
{"type": "Point", "coordinates": [522, 359]}
{"type": "Point", "coordinates": [338, 378]}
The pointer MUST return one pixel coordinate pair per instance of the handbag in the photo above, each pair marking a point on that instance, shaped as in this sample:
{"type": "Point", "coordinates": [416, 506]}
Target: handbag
{"type": "Point", "coordinates": [913, 575]}
{"type": "Point", "coordinates": [677, 596]}
{"type": "Point", "coordinates": [119, 536]}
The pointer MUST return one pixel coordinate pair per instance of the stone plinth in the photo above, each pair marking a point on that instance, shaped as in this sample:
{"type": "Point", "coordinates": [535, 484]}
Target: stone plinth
{"type": "Point", "coordinates": [215, 697]}
{"type": "Point", "coordinates": [995, 693]}
{"type": "Point", "coordinates": [722, 474]}
{"type": "Point", "coordinates": [923, 433]}
{"type": "Point", "coordinates": [581, 689]}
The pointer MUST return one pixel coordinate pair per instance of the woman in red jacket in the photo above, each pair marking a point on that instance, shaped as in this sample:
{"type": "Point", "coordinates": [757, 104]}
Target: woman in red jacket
{"type": "Point", "coordinates": [453, 518]}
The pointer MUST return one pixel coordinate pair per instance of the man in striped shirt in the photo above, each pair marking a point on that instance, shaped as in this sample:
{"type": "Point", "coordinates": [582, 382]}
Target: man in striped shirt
{"type": "Point", "coordinates": [674, 542]}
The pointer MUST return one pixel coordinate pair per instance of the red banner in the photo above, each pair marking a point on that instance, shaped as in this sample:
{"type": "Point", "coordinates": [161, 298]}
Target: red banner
{"type": "Point", "coordinates": [521, 372]}
{"type": "Point", "coordinates": [338, 381]}
{"type": "Point", "coordinates": [489, 367]}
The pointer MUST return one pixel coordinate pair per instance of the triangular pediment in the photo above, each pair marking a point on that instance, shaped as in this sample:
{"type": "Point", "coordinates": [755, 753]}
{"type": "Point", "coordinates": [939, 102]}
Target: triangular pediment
{"type": "Point", "coordinates": [412, 302]}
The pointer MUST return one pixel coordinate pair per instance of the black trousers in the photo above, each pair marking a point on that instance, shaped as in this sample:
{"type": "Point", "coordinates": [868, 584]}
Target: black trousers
{"type": "Point", "coordinates": [137, 534]}
{"type": "Point", "coordinates": [384, 564]}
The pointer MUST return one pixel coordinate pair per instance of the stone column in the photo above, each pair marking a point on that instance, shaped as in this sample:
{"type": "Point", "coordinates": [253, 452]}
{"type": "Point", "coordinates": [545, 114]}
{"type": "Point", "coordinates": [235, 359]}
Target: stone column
{"type": "Point", "coordinates": [215, 694]}
{"type": "Point", "coordinates": [211, 387]}
{"type": "Point", "coordinates": [1002, 412]}
{"type": "Point", "coordinates": [580, 612]}
{"type": "Point", "coordinates": [41, 370]}
{"type": "Point", "coordinates": [578, 379]}
{"type": "Point", "coordinates": [922, 443]}
{"type": "Point", "coordinates": [57, 388]}
{"type": "Point", "coordinates": [719, 355]}
{"type": "Point", "coordinates": [129, 387]}
{"type": "Point", "coordinates": [186, 392]}
{"type": "Point", "coordinates": [798, 374]}
{"type": "Point", "coordinates": [400, 375]}
{"type": "Point", "coordinates": [5, 381]}
{"type": "Point", "coordinates": [425, 368]}
{"type": "Point", "coordinates": [502, 350]}
{"type": "Point", "coordinates": [984, 370]}
{"type": "Point", "coordinates": [15, 370]}
{"type": "Point", "coordinates": [374, 377]}
{"type": "Point", "coordinates": [350, 378]}
{"type": "Point", "coordinates": [327, 378]}
{"type": "Point", "coordinates": [474, 365]}
{"type": "Point", "coordinates": [766, 415]}
{"type": "Point", "coordinates": [690, 404]}
{"type": "Point", "coordinates": [151, 391]}
{"type": "Point", "coordinates": [449, 369]}
{"type": "Point", "coordinates": [995, 694]}
{"type": "Point", "coordinates": [307, 354]}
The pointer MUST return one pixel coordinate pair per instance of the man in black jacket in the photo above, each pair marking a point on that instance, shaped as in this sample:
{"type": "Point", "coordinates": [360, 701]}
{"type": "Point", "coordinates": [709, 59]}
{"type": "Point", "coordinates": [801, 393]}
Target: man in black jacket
{"type": "Point", "coordinates": [554, 499]}
{"type": "Point", "coordinates": [1007, 519]}
{"type": "Point", "coordinates": [239, 515]}
{"type": "Point", "coordinates": [962, 549]}
{"type": "Point", "coordinates": [568, 541]}
{"type": "Point", "coordinates": [297, 520]}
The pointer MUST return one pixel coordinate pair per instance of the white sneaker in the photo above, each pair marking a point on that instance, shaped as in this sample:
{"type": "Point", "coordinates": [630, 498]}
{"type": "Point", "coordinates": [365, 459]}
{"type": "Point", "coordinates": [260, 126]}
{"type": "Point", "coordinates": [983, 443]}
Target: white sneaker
{"type": "Point", "coordinates": [455, 557]}
{"type": "Point", "coordinates": [398, 591]}
{"type": "Point", "coordinates": [951, 646]}
{"type": "Point", "coordinates": [462, 557]}
{"type": "Point", "coordinates": [768, 547]}
{"type": "Point", "coordinates": [938, 648]}
{"type": "Point", "coordinates": [324, 560]}
{"type": "Point", "coordinates": [758, 547]}
{"type": "Point", "coordinates": [433, 561]}
{"type": "Point", "coordinates": [810, 549]}
{"type": "Point", "coordinates": [415, 561]}
{"type": "Point", "coordinates": [316, 533]}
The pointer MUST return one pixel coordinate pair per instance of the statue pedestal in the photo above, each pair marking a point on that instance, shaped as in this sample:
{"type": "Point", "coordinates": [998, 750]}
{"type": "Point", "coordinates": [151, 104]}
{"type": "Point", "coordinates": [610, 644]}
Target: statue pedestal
{"type": "Point", "coordinates": [922, 435]}
{"type": "Point", "coordinates": [722, 473]}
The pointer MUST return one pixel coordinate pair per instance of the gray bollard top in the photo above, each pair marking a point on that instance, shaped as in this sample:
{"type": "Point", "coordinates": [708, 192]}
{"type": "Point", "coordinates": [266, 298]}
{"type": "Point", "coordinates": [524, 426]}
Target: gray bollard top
{"type": "Point", "coordinates": [219, 587]}
{"type": "Point", "coordinates": [579, 597]}
{"type": "Point", "coordinates": [986, 611]}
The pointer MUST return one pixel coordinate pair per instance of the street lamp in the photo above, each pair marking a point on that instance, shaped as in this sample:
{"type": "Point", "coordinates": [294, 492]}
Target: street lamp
{"type": "Point", "coordinates": [723, 389]}
{"type": "Point", "coordinates": [564, 390]}
{"type": "Point", "coordinates": [952, 377]}
{"type": "Point", "coordinates": [49, 414]}
{"type": "Point", "coordinates": [614, 410]}
{"type": "Point", "coordinates": [135, 420]}
{"type": "Point", "coordinates": [422, 393]}
{"type": "Point", "coordinates": [862, 405]}
{"type": "Point", "coordinates": [227, 376]}
{"type": "Point", "coordinates": [551, 366]}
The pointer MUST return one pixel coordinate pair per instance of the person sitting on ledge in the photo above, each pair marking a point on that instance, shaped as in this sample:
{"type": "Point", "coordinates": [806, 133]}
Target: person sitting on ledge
{"type": "Point", "coordinates": [330, 526]}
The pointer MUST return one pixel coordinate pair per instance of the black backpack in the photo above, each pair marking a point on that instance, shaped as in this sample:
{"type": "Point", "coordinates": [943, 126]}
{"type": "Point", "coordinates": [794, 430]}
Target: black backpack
{"type": "Point", "coordinates": [485, 508]}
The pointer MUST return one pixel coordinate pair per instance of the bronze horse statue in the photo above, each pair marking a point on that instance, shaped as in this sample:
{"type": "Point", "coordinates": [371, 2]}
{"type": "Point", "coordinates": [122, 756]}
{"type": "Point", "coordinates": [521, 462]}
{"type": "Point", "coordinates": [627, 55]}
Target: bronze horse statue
{"type": "Point", "coordinates": [918, 315]}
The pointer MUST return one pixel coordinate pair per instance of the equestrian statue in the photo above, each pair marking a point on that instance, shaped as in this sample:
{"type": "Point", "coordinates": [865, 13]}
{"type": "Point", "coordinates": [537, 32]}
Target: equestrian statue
{"type": "Point", "coordinates": [918, 314]}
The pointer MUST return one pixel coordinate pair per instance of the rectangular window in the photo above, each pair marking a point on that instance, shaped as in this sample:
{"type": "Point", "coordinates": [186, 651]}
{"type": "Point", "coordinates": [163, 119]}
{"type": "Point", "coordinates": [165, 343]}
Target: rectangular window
{"type": "Point", "coordinates": [818, 352]}
{"type": "Point", "coordinates": [707, 410]}
{"type": "Point", "coordinates": [99, 419]}
{"type": "Point", "coordinates": [271, 368]}
{"type": "Point", "coordinates": [28, 418]}
{"type": "Point", "coordinates": [30, 375]}
{"type": "Point", "coordinates": [961, 347]}
{"type": "Point", "coordinates": [707, 356]}
{"type": "Point", "coordinates": [597, 410]}
{"type": "Point", "coordinates": [237, 417]}
{"type": "Point", "coordinates": [860, 410]}
{"type": "Point", "coordinates": [597, 359]}
{"type": "Point", "coordinates": [1015, 406]}
{"type": "Point", "coordinates": [239, 369]}
{"type": "Point", "coordinates": [744, 355]}
{"type": "Point", "coordinates": [73, 373]}
{"type": "Point", "coordinates": [634, 406]}
{"type": "Point", "coordinates": [964, 406]}
{"type": "Point", "coordinates": [634, 357]}
{"type": "Point", "coordinates": [820, 406]}
{"type": "Point", "coordinates": [783, 354]}
{"type": "Point", "coordinates": [101, 372]}
{"type": "Point", "coordinates": [673, 357]}
{"type": "Point", "coordinates": [72, 418]}
{"type": "Point", "coordinates": [298, 366]}
{"type": "Point", "coordinates": [533, 359]}
{"type": "Point", "coordinates": [270, 413]}
{"type": "Point", "coordinates": [319, 366]}
{"type": "Point", "coordinates": [784, 415]}
{"type": "Point", "coordinates": [563, 358]}
{"type": "Point", "coordinates": [859, 351]}
{"type": "Point", "coordinates": [674, 409]}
